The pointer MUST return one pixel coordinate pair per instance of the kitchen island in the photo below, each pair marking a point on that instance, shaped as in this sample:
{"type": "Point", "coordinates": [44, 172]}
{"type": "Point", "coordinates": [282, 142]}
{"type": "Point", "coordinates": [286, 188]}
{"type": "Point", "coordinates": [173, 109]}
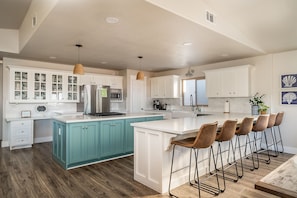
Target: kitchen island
{"type": "Point", "coordinates": [152, 149]}
{"type": "Point", "coordinates": [80, 140]}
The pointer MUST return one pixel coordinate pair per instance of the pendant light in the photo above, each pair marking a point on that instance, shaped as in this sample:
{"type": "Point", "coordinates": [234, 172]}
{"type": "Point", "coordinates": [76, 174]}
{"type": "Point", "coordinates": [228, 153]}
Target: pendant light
{"type": "Point", "coordinates": [140, 74]}
{"type": "Point", "coordinates": [78, 67]}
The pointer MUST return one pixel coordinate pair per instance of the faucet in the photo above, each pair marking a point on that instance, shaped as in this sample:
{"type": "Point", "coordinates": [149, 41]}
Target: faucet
{"type": "Point", "coordinates": [191, 102]}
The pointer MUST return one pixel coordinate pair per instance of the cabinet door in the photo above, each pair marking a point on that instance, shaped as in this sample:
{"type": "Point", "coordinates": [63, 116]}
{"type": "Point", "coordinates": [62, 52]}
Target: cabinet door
{"type": "Point", "coordinates": [228, 83]}
{"type": "Point", "coordinates": [111, 138]}
{"type": "Point", "coordinates": [19, 82]}
{"type": "Point", "coordinates": [57, 87]}
{"type": "Point", "coordinates": [171, 84]}
{"type": "Point", "coordinates": [59, 142]}
{"type": "Point", "coordinates": [116, 82]}
{"type": "Point", "coordinates": [40, 86]}
{"type": "Point", "coordinates": [213, 84]}
{"type": "Point", "coordinates": [129, 134]}
{"type": "Point", "coordinates": [83, 141]}
{"type": "Point", "coordinates": [154, 88]}
{"type": "Point", "coordinates": [72, 88]}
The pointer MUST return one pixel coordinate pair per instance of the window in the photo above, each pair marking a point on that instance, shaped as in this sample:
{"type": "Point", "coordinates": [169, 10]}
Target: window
{"type": "Point", "coordinates": [194, 92]}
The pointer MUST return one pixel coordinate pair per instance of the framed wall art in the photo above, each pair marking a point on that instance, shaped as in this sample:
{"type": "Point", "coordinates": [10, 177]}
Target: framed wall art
{"type": "Point", "coordinates": [289, 81]}
{"type": "Point", "coordinates": [289, 97]}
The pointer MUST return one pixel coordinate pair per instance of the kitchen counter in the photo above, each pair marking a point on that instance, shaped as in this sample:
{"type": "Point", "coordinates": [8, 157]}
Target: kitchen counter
{"type": "Point", "coordinates": [186, 125]}
{"type": "Point", "coordinates": [153, 151]}
{"type": "Point", "coordinates": [89, 118]}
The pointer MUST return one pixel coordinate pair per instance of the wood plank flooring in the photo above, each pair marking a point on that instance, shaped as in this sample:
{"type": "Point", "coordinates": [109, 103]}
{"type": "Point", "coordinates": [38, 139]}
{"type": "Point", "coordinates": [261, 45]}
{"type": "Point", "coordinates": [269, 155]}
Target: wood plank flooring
{"type": "Point", "coordinates": [32, 173]}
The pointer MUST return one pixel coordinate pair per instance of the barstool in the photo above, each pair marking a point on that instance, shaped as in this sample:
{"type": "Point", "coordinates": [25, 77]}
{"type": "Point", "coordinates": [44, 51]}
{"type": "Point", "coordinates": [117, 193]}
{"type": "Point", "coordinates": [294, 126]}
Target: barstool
{"type": "Point", "coordinates": [260, 126]}
{"type": "Point", "coordinates": [244, 130]}
{"type": "Point", "coordinates": [270, 125]}
{"type": "Point", "coordinates": [278, 121]}
{"type": "Point", "coordinates": [225, 134]}
{"type": "Point", "coordinates": [204, 139]}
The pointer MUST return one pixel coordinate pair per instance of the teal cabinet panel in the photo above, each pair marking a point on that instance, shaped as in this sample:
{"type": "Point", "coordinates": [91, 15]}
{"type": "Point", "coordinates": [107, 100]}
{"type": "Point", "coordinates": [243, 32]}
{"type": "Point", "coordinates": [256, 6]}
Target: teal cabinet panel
{"type": "Point", "coordinates": [82, 141]}
{"type": "Point", "coordinates": [154, 118]}
{"type": "Point", "coordinates": [111, 138]}
{"type": "Point", "coordinates": [78, 144]}
{"type": "Point", "coordinates": [59, 142]}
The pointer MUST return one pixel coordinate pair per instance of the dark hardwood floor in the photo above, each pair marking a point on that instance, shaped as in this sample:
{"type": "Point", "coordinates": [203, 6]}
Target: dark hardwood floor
{"type": "Point", "coordinates": [32, 173]}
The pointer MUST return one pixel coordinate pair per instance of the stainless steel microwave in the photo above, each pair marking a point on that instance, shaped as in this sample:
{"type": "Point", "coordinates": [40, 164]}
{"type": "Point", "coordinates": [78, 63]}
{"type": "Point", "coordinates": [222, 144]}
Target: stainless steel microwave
{"type": "Point", "coordinates": [116, 95]}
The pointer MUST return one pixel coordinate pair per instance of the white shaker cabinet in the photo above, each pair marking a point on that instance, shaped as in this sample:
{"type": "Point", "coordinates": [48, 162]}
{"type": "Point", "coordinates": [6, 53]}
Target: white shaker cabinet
{"type": "Point", "coordinates": [20, 134]}
{"type": "Point", "coordinates": [228, 82]}
{"type": "Point", "coordinates": [165, 87]}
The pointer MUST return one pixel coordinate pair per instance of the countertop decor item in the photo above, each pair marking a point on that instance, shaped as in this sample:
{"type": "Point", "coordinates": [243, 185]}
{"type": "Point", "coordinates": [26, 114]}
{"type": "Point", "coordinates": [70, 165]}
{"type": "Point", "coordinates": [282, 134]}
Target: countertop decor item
{"type": "Point", "coordinates": [25, 114]}
{"type": "Point", "coordinates": [257, 104]}
{"type": "Point", "coordinates": [140, 74]}
{"type": "Point", "coordinates": [78, 67]}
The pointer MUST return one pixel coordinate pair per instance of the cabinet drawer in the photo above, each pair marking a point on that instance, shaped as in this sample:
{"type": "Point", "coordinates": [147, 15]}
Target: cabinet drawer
{"type": "Point", "coordinates": [16, 132]}
{"type": "Point", "coordinates": [22, 140]}
{"type": "Point", "coordinates": [21, 124]}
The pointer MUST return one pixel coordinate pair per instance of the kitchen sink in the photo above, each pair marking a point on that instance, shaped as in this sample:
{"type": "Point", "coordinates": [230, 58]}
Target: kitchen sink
{"type": "Point", "coordinates": [203, 114]}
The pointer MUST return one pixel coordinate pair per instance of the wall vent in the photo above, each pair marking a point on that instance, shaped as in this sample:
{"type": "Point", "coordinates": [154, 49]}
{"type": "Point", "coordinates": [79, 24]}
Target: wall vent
{"type": "Point", "coordinates": [34, 21]}
{"type": "Point", "coordinates": [210, 17]}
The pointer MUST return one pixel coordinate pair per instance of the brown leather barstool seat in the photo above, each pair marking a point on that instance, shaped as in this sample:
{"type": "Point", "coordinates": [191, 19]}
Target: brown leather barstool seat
{"type": "Point", "coordinates": [204, 139]}
{"type": "Point", "coordinates": [244, 129]}
{"type": "Point", "coordinates": [278, 122]}
{"type": "Point", "coordinates": [225, 134]}
{"type": "Point", "coordinates": [259, 127]}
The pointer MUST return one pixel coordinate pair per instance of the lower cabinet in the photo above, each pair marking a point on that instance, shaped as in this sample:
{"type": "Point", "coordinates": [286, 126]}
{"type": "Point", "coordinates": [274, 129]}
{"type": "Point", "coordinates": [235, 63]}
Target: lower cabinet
{"type": "Point", "coordinates": [20, 134]}
{"type": "Point", "coordinates": [59, 142]}
{"type": "Point", "coordinates": [82, 143]}
{"type": "Point", "coordinates": [111, 138]}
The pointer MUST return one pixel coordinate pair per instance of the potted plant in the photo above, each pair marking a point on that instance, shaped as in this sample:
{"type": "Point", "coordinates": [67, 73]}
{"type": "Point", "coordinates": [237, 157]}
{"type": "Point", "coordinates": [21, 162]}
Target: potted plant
{"type": "Point", "coordinates": [256, 103]}
{"type": "Point", "coordinates": [263, 108]}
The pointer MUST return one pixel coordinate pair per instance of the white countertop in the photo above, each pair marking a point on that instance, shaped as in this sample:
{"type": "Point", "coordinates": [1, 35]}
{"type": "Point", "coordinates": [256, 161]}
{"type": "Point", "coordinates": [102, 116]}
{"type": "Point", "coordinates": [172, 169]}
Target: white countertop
{"type": "Point", "coordinates": [88, 118]}
{"type": "Point", "coordinates": [190, 124]}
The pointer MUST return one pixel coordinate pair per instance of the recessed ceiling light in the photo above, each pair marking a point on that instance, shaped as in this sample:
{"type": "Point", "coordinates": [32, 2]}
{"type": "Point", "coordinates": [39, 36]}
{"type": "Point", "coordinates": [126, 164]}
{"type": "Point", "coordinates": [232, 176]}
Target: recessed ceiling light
{"type": "Point", "coordinates": [52, 57]}
{"type": "Point", "coordinates": [187, 43]}
{"type": "Point", "coordinates": [103, 62]}
{"type": "Point", "coordinates": [112, 20]}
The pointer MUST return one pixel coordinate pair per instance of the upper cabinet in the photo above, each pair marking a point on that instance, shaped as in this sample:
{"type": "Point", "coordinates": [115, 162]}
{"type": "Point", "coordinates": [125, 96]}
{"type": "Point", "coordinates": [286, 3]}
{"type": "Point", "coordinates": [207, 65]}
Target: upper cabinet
{"type": "Point", "coordinates": [115, 82]}
{"type": "Point", "coordinates": [228, 82]}
{"type": "Point", "coordinates": [31, 86]}
{"type": "Point", "coordinates": [165, 87]}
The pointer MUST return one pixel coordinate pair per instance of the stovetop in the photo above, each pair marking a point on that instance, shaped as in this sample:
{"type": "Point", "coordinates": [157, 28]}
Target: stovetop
{"type": "Point", "coordinates": [106, 114]}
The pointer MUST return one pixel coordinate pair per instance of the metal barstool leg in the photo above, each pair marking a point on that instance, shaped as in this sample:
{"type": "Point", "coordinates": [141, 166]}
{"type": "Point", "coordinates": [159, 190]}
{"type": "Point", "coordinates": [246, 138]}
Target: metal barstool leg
{"type": "Point", "coordinates": [252, 152]}
{"type": "Point", "coordinates": [222, 166]}
{"type": "Point", "coordinates": [281, 139]}
{"type": "Point", "coordinates": [240, 156]}
{"type": "Point", "coordinates": [171, 172]}
{"type": "Point", "coordinates": [196, 171]}
{"type": "Point", "coordinates": [216, 170]}
{"type": "Point", "coordinates": [274, 142]}
{"type": "Point", "coordinates": [234, 161]}
{"type": "Point", "coordinates": [267, 161]}
{"type": "Point", "coordinates": [256, 150]}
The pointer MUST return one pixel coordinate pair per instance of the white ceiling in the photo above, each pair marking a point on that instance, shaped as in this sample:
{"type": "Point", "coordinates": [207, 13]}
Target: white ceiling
{"type": "Point", "coordinates": [154, 33]}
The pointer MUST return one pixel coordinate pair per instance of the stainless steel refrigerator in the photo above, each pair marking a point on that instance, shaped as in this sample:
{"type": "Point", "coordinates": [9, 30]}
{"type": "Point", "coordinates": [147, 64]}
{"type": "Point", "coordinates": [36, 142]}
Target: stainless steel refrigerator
{"type": "Point", "coordinates": [94, 99]}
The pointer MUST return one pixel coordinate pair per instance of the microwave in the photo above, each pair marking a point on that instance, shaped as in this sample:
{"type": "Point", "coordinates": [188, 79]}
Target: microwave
{"type": "Point", "coordinates": [116, 95]}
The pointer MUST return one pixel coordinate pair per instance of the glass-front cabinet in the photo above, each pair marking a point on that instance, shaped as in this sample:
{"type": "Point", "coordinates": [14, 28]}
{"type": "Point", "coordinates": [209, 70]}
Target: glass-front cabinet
{"type": "Point", "coordinates": [40, 86]}
{"type": "Point", "coordinates": [20, 86]}
{"type": "Point", "coordinates": [29, 86]}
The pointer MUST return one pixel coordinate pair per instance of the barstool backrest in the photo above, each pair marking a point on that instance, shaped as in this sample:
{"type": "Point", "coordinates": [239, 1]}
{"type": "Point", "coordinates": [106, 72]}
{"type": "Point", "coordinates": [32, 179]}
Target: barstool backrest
{"type": "Point", "coordinates": [279, 118]}
{"type": "Point", "coordinates": [271, 120]}
{"type": "Point", "coordinates": [206, 135]}
{"type": "Point", "coordinates": [261, 123]}
{"type": "Point", "coordinates": [245, 126]}
{"type": "Point", "coordinates": [227, 131]}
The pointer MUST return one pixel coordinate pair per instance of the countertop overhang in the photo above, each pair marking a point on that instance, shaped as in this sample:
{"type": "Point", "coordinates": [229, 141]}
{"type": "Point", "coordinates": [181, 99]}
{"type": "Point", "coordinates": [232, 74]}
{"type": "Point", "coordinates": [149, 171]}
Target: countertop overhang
{"type": "Point", "coordinates": [190, 124]}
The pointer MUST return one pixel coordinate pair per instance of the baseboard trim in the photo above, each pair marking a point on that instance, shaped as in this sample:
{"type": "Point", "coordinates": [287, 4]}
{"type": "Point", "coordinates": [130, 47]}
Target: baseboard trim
{"type": "Point", "coordinates": [4, 144]}
{"type": "Point", "coordinates": [43, 139]}
{"type": "Point", "coordinates": [292, 150]}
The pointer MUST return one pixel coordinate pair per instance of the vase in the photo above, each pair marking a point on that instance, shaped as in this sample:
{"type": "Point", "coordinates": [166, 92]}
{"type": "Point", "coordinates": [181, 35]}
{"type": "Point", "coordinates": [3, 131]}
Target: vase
{"type": "Point", "coordinates": [255, 110]}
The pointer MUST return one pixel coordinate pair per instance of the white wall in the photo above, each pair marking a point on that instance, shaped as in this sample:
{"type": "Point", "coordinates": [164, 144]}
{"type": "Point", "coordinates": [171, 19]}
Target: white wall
{"type": "Point", "coordinates": [265, 79]}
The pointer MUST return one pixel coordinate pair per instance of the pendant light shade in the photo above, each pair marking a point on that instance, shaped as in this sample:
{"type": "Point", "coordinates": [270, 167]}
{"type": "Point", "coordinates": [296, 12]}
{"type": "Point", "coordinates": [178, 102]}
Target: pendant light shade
{"type": "Point", "coordinates": [140, 74]}
{"type": "Point", "coordinates": [78, 67]}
